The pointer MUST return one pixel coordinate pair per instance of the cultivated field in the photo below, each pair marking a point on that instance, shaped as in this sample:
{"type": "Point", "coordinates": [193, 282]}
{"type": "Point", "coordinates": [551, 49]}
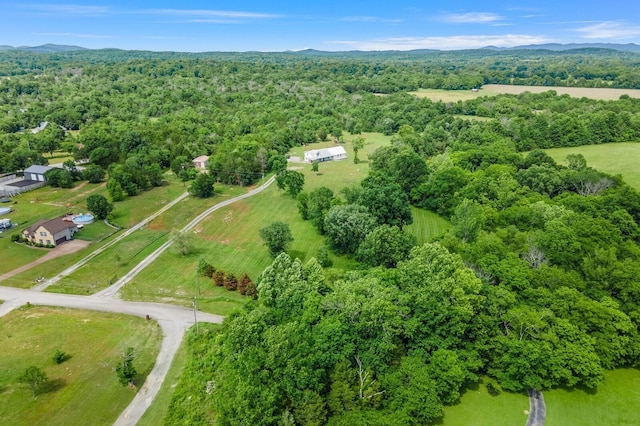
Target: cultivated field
{"type": "Point", "coordinates": [613, 158]}
{"type": "Point", "coordinates": [498, 89]}
{"type": "Point", "coordinates": [84, 389]}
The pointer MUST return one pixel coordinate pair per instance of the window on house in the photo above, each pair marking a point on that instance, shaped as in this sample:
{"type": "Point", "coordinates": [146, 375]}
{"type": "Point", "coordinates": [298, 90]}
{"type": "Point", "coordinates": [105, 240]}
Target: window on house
{"type": "Point", "coordinates": [43, 234]}
{"type": "Point", "coordinates": [40, 240]}
{"type": "Point", "coordinates": [48, 242]}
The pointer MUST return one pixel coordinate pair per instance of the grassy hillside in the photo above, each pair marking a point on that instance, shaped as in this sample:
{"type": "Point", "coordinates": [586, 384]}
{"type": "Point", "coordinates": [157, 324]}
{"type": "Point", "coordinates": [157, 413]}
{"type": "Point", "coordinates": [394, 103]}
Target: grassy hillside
{"type": "Point", "coordinates": [613, 158]}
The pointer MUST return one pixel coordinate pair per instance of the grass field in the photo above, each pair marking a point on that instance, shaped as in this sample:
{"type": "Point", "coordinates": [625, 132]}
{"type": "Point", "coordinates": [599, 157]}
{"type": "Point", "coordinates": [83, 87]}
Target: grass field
{"type": "Point", "coordinates": [499, 89]}
{"type": "Point", "coordinates": [478, 408]}
{"type": "Point", "coordinates": [84, 389]}
{"type": "Point", "coordinates": [615, 402]}
{"type": "Point", "coordinates": [426, 225]}
{"type": "Point", "coordinates": [612, 158]}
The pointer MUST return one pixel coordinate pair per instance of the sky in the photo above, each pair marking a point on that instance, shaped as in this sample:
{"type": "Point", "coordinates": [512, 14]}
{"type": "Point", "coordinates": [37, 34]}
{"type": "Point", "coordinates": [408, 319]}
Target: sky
{"type": "Point", "coordinates": [331, 25]}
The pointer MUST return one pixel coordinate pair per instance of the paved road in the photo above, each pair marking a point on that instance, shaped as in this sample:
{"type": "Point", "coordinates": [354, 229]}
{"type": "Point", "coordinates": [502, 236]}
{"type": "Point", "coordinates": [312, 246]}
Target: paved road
{"type": "Point", "coordinates": [537, 409]}
{"type": "Point", "coordinates": [174, 320]}
{"type": "Point", "coordinates": [112, 291]}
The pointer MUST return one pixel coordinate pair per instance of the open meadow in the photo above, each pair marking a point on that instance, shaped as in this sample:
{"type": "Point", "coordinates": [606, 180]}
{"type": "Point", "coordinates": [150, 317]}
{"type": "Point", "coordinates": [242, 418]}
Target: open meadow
{"type": "Point", "coordinates": [84, 389]}
{"type": "Point", "coordinates": [605, 94]}
{"type": "Point", "coordinates": [612, 158]}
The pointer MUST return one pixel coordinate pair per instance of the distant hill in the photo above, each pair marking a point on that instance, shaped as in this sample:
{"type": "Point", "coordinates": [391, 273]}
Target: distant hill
{"type": "Point", "coordinates": [630, 47]}
{"type": "Point", "coordinates": [45, 48]}
{"type": "Point", "coordinates": [554, 47]}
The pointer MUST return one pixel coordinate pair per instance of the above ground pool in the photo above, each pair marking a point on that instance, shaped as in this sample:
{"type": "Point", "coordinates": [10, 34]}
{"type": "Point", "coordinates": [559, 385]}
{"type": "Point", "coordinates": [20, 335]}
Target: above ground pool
{"type": "Point", "coordinates": [4, 210]}
{"type": "Point", "coordinates": [83, 219]}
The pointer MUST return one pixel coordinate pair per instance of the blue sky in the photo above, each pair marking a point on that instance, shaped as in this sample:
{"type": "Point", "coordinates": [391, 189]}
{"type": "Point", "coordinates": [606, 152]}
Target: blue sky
{"type": "Point", "coordinates": [276, 25]}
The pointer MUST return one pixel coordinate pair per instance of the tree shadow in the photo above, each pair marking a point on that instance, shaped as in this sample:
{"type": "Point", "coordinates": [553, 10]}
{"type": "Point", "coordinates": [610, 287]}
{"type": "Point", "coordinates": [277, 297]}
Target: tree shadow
{"type": "Point", "coordinates": [53, 385]}
{"type": "Point", "coordinates": [296, 254]}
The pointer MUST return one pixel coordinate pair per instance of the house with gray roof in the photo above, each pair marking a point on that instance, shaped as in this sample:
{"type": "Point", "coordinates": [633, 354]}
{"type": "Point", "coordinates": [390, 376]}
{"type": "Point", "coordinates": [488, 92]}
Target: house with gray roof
{"type": "Point", "coordinates": [36, 172]}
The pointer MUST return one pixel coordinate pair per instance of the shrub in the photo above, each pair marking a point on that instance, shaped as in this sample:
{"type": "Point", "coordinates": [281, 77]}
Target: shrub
{"type": "Point", "coordinates": [323, 257]}
{"type": "Point", "coordinates": [230, 282]}
{"type": "Point", "coordinates": [59, 357]}
{"type": "Point", "coordinates": [243, 284]}
{"type": "Point", "coordinates": [16, 238]}
{"type": "Point", "coordinates": [493, 388]}
{"type": "Point", "coordinates": [218, 278]}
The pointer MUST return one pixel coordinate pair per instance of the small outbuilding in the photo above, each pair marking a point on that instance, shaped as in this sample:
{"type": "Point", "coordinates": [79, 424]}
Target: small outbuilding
{"type": "Point", "coordinates": [36, 173]}
{"type": "Point", "coordinates": [201, 162]}
{"type": "Point", "coordinates": [325, 154]}
{"type": "Point", "coordinates": [50, 231]}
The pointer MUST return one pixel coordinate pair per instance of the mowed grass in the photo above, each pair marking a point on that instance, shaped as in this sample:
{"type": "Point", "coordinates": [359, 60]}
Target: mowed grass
{"type": "Point", "coordinates": [612, 158]}
{"type": "Point", "coordinates": [426, 225]}
{"type": "Point", "coordinates": [84, 389]}
{"type": "Point", "coordinates": [229, 240]}
{"type": "Point", "coordinates": [110, 265]}
{"type": "Point", "coordinates": [478, 408]}
{"type": "Point", "coordinates": [615, 402]}
{"type": "Point", "coordinates": [49, 202]}
{"type": "Point", "coordinates": [500, 89]}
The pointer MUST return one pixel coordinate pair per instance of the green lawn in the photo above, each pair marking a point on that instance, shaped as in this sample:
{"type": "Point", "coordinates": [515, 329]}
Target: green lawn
{"type": "Point", "coordinates": [612, 158]}
{"type": "Point", "coordinates": [426, 225]}
{"type": "Point", "coordinates": [478, 408]}
{"type": "Point", "coordinates": [84, 389]}
{"type": "Point", "coordinates": [615, 402]}
{"type": "Point", "coordinates": [110, 265]}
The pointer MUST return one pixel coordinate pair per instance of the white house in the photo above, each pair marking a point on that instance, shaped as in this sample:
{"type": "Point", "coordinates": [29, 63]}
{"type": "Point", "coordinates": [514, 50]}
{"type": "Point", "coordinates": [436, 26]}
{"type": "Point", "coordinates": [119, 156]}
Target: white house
{"type": "Point", "coordinates": [201, 162]}
{"type": "Point", "coordinates": [325, 154]}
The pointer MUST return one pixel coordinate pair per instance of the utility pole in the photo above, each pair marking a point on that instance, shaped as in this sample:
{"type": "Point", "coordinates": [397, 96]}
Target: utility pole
{"type": "Point", "coordinates": [195, 319]}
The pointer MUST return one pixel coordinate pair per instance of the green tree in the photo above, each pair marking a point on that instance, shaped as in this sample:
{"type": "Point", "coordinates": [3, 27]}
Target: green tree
{"type": "Point", "coordinates": [35, 378]}
{"type": "Point", "coordinates": [318, 204]}
{"type": "Point", "coordinates": [386, 201]}
{"type": "Point", "coordinates": [202, 186]}
{"type": "Point", "coordinates": [385, 245]}
{"type": "Point", "coordinates": [347, 225]}
{"type": "Point", "coordinates": [99, 206]}
{"type": "Point", "coordinates": [467, 220]}
{"type": "Point", "coordinates": [357, 144]}
{"type": "Point", "coordinates": [182, 242]}
{"type": "Point", "coordinates": [125, 370]}
{"type": "Point", "coordinates": [277, 237]}
{"type": "Point", "coordinates": [93, 173]}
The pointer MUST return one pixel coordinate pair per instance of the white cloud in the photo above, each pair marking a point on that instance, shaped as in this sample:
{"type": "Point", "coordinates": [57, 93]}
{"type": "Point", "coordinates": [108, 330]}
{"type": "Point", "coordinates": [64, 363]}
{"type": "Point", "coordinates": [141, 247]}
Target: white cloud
{"type": "Point", "coordinates": [210, 14]}
{"type": "Point", "coordinates": [74, 35]}
{"type": "Point", "coordinates": [443, 42]}
{"type": "Point", "coordinates": [470, 18]}
{"type": "Point", "coordinates": [609, 30]}
{"type": "Point", "coordinates": [67, 9]}
{"type": "Point", "coordinates": [371, 19]}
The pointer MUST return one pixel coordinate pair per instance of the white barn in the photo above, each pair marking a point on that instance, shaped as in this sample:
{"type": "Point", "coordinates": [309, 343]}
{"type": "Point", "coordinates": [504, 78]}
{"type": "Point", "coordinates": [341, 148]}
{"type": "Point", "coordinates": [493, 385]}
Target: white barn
{"type": "Point", "coordinates": [325, 154]}
{"type": "Point", "coordinates": [36, 172]}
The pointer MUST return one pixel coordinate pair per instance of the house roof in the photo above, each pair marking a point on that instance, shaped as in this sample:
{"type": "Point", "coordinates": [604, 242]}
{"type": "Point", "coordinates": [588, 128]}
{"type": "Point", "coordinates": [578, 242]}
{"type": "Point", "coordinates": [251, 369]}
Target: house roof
{"type": "Point", "coordinates": [52, 225]}
{"type": "Point", "coordinates": [201, 158]}
{"type": "Point", "coordinates": [325, 152]}
{"type": "Point", "coordinates": [38, 169]}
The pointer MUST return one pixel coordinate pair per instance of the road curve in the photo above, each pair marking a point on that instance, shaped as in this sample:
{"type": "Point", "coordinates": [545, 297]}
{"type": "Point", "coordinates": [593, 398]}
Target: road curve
{"type": "Point", "coordinates": [112, 290]}
{"type": "Point", "coordinates": [173, 319]}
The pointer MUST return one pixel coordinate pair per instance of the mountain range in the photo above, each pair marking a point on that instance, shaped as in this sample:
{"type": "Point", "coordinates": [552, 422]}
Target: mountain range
{"type": "Point", "coordinates": [630, 47]}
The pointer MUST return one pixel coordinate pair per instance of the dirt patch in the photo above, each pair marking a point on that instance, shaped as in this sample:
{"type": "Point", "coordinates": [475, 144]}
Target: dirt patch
{"type": "Point", "coordinates": [82, 185]}
{"type": "Point", "coordinates": [157, 224]}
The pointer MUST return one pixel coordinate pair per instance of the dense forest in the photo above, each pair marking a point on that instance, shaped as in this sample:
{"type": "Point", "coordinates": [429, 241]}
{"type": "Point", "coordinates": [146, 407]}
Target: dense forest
{"type": "Point", "coordinates": [537, 285]}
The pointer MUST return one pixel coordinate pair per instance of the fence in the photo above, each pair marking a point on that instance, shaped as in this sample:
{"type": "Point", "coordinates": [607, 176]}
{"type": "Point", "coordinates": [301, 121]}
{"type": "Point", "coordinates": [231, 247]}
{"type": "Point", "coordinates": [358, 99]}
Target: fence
{"type": "Point", "coordinates": [19, 190]}
{"type": "Point", "coordinates": [7, 177]}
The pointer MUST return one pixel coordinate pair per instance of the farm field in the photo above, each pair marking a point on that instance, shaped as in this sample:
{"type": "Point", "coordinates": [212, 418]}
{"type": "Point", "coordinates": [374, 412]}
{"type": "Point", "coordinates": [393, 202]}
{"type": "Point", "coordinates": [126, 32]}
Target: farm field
{"type": "Point", "coordinates": [499, 89]}
{"type": "Point", "coordinates": [612, 158]}
{"type": "Point", "coordinates": [83, 387]}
